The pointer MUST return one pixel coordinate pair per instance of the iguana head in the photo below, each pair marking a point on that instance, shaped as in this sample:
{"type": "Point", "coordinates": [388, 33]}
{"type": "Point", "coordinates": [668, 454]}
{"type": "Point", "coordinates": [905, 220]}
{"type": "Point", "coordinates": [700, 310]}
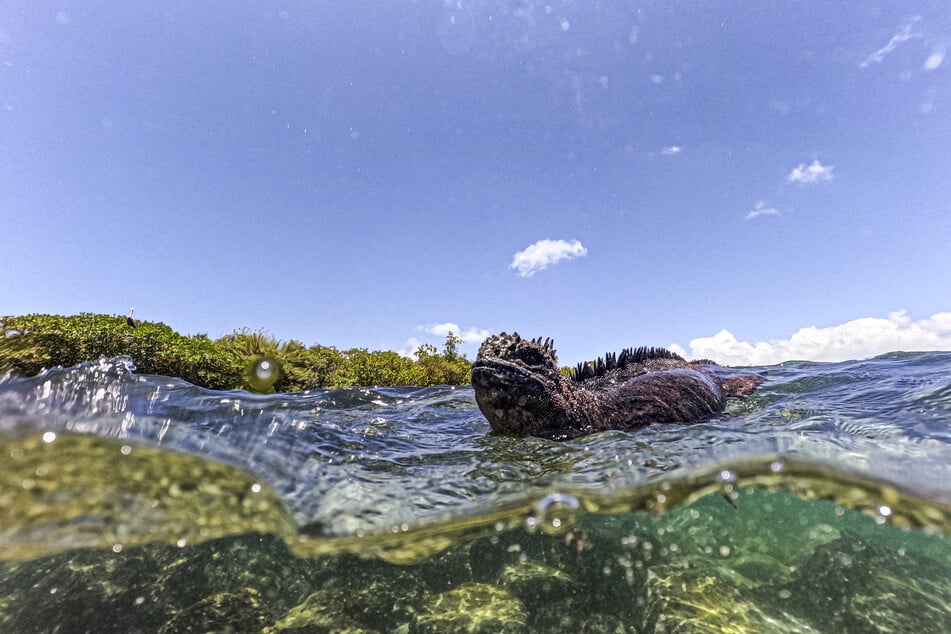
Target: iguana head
{"type": "Point", "coordinates": [519, 388]}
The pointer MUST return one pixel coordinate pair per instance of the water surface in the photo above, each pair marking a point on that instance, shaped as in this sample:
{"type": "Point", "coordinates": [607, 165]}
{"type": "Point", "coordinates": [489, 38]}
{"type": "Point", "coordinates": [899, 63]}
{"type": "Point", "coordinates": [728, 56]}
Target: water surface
{"type": "Point", "coordinates": [821, 502]}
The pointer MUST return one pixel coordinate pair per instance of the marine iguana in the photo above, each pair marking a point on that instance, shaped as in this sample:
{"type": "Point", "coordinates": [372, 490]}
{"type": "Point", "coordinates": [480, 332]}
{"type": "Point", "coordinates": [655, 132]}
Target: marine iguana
{"type": "Point", "coordinates": [521, 391]}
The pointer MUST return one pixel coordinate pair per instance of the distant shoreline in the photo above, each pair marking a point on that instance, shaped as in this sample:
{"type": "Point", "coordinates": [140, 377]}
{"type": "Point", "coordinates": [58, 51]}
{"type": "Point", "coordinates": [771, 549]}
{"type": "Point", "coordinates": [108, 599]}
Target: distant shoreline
{"type": "Point", "coordinates": [32, 343]}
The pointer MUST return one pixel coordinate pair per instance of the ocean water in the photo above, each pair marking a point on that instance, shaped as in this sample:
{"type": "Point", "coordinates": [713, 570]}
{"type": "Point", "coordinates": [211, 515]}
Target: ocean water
{"type": "Point", "coordinates": [134, 503]}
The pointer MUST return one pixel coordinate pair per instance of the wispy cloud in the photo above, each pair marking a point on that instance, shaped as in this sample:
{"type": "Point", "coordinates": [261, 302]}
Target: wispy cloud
{"type": "Point", "coordinates": [544, 253]}
{"type": "Point", "coordinates": [673, 150]}
{"type": "Point", "coordinates": [905, 33]}
{"type": "Point", "coordinates": [856, 339]}
{"type": "Point", "coordinates": [815, 172]}
{"type": "Point", "coordinates": [762, 210]}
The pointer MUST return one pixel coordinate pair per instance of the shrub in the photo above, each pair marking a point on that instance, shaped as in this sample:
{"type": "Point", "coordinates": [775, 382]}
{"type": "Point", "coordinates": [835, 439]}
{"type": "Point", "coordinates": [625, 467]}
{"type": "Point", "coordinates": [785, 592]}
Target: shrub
{"type": "Point", "coordinates": [33, 342]}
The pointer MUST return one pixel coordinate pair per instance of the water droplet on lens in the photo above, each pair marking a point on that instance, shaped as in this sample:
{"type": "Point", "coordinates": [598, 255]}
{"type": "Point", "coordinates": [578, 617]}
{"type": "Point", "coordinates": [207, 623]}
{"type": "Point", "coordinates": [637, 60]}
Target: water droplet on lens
{"type": "Point", "coordinates": [263, 374]}
{"type": "Point", "coordinates": [557, 512]}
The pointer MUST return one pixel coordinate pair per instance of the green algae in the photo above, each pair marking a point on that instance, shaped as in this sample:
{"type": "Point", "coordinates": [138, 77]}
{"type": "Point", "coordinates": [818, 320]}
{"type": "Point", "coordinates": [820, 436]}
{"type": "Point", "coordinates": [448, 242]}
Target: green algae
{"type": "Point", "coordinates": [66, 491]}
{"type": "Point", "coordinates": [478, 608]}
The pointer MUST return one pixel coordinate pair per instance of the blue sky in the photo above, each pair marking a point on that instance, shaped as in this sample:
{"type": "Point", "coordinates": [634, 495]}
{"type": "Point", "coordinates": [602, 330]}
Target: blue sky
{"type": "Point", "coordinates": [367, 173]}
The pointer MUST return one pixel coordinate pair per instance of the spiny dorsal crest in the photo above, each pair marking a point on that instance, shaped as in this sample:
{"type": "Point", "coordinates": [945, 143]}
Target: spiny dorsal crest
{"type": "Point", "coordinates": [611, 361]}
{"type": "Point", "coordinates": [505, 343]}
{"type": "Point", "coordinates": [547, 345]}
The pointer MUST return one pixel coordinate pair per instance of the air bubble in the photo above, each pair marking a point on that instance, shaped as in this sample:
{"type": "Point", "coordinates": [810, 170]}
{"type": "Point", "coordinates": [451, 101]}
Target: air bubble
{"type": "Point", "coordinates": [883, 514]}
{"type": "Point", "coordinates": [557, 512]}
{"type": "Point", "coordinates": [728, 488]}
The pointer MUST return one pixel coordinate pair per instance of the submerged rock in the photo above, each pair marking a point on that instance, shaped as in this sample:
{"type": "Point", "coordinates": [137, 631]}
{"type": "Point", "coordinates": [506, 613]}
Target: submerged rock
{"type": "Point", "coordinates": [703, 601]}
{"type": "Point", "coordinates": [536, 583]}
{"type": "Point", "coordinates": [476, 608]}
{"type": "Point", "coordinates": [148, 587]}
{"type": "Point", "coordinates": [320, 613]}
{"type": "Point", "coordinates": [852, 585]}
{"type": "Point", "coordinates": [239, 612]}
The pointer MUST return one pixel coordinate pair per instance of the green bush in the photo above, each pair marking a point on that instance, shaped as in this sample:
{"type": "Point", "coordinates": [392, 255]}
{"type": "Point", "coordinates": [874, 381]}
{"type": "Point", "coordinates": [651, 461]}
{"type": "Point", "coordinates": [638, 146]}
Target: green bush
{"type": "Point", "coordinates": [447, 368]}
{"type": "Point", "coordinates": [33, 342]}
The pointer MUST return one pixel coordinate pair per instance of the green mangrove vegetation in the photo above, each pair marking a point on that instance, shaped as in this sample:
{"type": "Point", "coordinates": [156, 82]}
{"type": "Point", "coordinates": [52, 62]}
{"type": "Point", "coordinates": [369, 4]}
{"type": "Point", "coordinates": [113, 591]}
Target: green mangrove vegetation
{"type": "Point", "coordinates": [31, 343]}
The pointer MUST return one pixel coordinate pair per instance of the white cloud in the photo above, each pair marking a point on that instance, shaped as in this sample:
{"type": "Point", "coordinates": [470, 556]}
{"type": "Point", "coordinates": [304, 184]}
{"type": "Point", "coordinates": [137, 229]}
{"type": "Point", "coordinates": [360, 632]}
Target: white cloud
{"type": "Point", "coordinates": [673, 150]}
{"type": "Point", "coordinates": [762, 210]}
{"type": "Point", "coordinates": [469, 335]}
{"type": "Point", "coordinates": [409, 347]}
{"type": "Point", "coordinates": [472, 337]}
{"type": "Point", "coordinates": [815, 172]}
{"type": "Point", "coordinates": [857, 339]}
{"type": "Point", "coordinates": [904, 34]}
{"type": "Point", "coordinates": [544, 253]}
{"type": "Point", "coordinates": [935, 59]}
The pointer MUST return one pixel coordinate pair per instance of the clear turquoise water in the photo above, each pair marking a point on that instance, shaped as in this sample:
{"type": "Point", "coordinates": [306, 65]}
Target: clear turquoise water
{"type": "Point", "coordinates": [819, 503]}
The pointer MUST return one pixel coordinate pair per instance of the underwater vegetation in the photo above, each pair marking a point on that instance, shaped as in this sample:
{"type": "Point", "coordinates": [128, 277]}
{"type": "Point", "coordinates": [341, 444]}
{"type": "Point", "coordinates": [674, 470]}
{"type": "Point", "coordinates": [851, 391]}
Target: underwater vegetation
{"type": "Point", "coordinates": [208, 547]}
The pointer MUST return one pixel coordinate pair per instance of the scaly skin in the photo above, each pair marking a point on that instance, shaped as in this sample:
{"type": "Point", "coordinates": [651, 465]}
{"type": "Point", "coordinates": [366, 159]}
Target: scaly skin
{"type": "Point", "coordinates": [521, 391]}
